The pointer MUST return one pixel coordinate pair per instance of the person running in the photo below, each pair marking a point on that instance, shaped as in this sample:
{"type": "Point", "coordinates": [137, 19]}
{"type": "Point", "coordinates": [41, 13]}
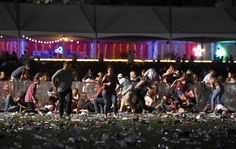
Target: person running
{"type": "Point", "coordinates": [109, 82]}
{"type": "Point", "coordinates": [126, 91]}
{"type": "Point", "coordinates": [62, 81]}
{"type": "Point", "coordinates": [218, 91]}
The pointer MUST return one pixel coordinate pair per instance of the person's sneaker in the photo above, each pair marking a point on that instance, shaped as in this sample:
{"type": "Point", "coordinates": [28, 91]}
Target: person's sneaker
{"type": "Point", "coordinates": [105, 116]}
{"type": "Point", "coordinates": [115, 116]}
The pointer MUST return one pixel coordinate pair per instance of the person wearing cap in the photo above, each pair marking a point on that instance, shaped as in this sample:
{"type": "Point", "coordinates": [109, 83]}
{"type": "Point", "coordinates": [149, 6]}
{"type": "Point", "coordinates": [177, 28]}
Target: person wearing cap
{"type": "Point", "coordinates": [126, 91]}
{"type": "Point", "coordinates": [20, 72]}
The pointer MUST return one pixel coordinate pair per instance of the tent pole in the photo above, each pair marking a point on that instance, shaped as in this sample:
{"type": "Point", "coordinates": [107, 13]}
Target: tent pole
{"type": "Point", "coordinates": [95, 27]}
{"type": "Point", "coordinates": [93, 22]}
{"type": "Point", "coordinates": [17, 9]}
{"type": "Point", "coordinates": [170, 19]}
{"type": "Point", "coordinates": [170, 27]}
{"type": "Point", "coordinates": [162, 21]}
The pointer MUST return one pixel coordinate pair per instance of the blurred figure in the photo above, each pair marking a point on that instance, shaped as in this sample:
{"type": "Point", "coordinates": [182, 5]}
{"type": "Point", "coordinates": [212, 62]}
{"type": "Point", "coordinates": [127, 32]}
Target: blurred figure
{"type": "Point", "coordinates": [45, 77]}
{"type": "Point", "coordinates": [88, 77]}
{"type": "Point", "coordinates": [84, 104]}
{"type": "Point", "coordinates": [170, 75]}
{"type": "Point", "coordinates": [221, 109]}
{"type": "Point", "coordinates": [169, 71]}
{"type": "Point", "coordinates": [195, 78]}
{"type": "Point", "coordinates": [17, 103]}
{"type": "Point", "coordinates": [75, 99]}
{"type": "Point", "coordinates": [126, 91]}
{"type": "Point", "coordinates": [218, 91]}
{"type": "Point", "coordinates": [62, 81]}
{"type": "Point", "coordinates": [207, 78]}
{"type": "Point", "coordinates": [151, 96]}
{"type": "Point", "coordinates": [3, 76]}
{"type": "Point", "coordinates": [21, 73]}
{"type": "Point", "coordinates": [142, 73]}
{"type": "Point", "coordinates": [109, 93]}
{"type": "Point", "coordinates": [133, 76]}
{"type": "Point", "coordinates": [30, 97]}
{"type": "Point", "coordinates": [230, 78]}
{"type": "Point", "coordinates": [75, 75]}
{"type": "Point", "coordinates": [97, 99]}
{"type": "Point", "coordinates": [25, 57]}
{"type": "Point", "coordinates": [151, 74]}
{"type": "Point", "coordinates": [98, 79]}
{"type": "Point", "coordinates": [49, 107]}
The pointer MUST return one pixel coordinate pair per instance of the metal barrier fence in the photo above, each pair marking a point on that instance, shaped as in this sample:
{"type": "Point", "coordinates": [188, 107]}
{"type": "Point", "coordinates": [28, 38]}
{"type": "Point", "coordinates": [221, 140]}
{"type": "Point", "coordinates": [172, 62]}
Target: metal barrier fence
{"type": "Point", "coordinates": [42, 90]}
{"type": "Point", "coordinates": [203, 93]}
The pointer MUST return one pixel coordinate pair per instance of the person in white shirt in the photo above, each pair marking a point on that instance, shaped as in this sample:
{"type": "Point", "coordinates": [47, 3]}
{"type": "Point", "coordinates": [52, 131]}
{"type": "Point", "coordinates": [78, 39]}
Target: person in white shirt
{"type": "Point", "coordinates": [207, 78]}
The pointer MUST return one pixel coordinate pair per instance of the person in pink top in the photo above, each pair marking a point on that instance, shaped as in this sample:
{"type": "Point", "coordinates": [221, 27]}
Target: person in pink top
{"type": "Point", "coordinates": [30, 97]}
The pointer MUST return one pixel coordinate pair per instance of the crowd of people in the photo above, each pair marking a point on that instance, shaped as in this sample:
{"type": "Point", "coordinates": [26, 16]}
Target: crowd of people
{"type": "Point", "coordinates": [117, 93]}
{"type": "Point", "coordinates": [131, 88]}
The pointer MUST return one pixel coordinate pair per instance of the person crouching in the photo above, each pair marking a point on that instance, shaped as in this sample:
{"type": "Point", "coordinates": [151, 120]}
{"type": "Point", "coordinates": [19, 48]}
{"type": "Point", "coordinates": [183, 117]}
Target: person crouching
{"type": "Point", "coordinates": [127, 92]}
{"type": "Point", "coordinates": [30, 97]}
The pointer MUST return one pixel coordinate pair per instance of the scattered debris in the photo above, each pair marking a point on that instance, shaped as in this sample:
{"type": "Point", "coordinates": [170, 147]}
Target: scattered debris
{"type": "Point", "coordinates": [129, 130]}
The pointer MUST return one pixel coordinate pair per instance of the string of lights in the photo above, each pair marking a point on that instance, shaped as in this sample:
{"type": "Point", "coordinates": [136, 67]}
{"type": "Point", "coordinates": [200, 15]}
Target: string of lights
{"type": "Point", "coordinates": [64, 39]}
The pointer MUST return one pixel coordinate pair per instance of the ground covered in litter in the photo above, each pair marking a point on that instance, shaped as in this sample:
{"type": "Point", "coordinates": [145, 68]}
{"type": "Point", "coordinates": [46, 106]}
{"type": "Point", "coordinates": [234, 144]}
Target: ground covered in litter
{"type": "Point", "coordinates": [186, 130]}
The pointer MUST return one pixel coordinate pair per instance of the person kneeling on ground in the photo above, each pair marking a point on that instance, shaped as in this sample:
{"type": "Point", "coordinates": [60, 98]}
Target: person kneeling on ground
{"type": "Point", "coordinates": [15, 104]}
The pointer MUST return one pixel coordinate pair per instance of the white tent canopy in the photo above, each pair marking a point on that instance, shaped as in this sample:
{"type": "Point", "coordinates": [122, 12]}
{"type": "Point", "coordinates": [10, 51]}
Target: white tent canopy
{"type": "Point", "coordinates": [7, 20]}
{"type": "Point", "coordinates": [54, 19]}
{"type": "Point", "coordinates": [125, 21]}
{"type": "Point", "coordinates": [200, 22]}
{"type": "Point", "coordinates": [111, 21]}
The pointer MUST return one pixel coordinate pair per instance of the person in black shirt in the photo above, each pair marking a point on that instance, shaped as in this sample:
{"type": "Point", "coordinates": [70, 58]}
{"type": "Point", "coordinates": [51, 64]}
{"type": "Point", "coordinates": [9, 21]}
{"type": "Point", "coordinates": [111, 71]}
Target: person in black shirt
{"type": "Point", "coordinates": [109, 82]}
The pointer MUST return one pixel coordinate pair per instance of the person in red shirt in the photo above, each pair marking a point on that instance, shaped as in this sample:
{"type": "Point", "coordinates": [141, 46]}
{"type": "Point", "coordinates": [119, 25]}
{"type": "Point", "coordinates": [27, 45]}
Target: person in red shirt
{"type": "Point", "coordinates": [30, 97]}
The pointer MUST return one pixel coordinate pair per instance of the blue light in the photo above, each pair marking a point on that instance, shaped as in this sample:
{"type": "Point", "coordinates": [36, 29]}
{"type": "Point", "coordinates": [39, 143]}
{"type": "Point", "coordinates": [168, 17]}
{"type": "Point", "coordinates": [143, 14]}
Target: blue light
{"type": "Point", "coordinates": [220, 52]}
{"type": "Point", "coordinates": [59, 50]}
